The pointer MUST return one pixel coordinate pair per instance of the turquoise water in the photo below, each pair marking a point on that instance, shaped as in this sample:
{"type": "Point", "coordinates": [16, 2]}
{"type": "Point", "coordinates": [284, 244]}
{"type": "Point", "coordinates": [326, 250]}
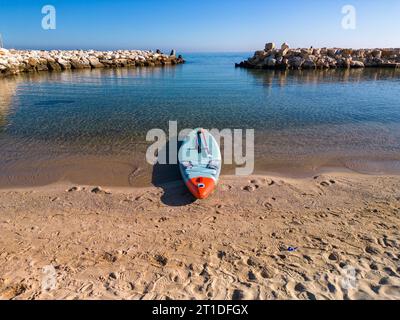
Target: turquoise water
{"type": "Point", "coordinates": [330, 117]}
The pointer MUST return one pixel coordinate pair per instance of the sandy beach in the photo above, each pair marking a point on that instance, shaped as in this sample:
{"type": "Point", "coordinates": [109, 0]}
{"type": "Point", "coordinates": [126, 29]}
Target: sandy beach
{"type": "Point", "coordinates": [332, 236]}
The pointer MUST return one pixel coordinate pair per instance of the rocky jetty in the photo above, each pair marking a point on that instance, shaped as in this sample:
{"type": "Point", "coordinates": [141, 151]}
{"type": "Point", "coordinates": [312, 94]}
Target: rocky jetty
{"type": "Point", "coordinates": [17, 61]}
{"type": "Point", "coordinates": [322, 58]}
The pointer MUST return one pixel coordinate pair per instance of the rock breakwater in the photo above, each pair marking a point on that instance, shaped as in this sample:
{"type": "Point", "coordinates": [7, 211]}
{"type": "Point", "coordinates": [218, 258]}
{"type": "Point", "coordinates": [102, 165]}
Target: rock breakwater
{"type": "Point", "coordinates": [18, 61]}
{"type": "Point", "coordinates": [320, 58]}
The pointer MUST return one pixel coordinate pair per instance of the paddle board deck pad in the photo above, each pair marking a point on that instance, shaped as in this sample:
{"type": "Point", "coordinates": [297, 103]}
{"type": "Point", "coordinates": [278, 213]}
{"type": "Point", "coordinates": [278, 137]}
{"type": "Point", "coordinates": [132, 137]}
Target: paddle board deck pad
{"type": "Point", "coordinates": [200, 162]}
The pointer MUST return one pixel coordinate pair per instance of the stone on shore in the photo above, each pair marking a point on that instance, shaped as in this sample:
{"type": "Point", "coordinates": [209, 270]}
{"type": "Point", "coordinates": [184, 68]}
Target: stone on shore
{"type": "Point", "coordinates": [64, 64]}
{"type": "Point", "coordinates": [269, 46]}
{"type": "Point", "coordinates": [53, 66]}
{"type": "Point", "coordinates": [95, 62]}
{"type": "Point", "coordinates": [79, 64]}
{"type": "Point", "coordinates": [16, 61]}
{"type": "Point", "coordinates": [321, 58]}
{"type": "Point", "coordinates": [284, 46]}
{"type": "Point", "coordinates": [357, 64]}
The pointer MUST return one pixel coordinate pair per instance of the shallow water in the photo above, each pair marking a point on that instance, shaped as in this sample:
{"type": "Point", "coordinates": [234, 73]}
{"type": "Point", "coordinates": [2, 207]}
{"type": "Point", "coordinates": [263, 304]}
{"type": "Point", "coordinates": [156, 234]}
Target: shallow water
{"type": "Point", "coordinates": [90, 126]}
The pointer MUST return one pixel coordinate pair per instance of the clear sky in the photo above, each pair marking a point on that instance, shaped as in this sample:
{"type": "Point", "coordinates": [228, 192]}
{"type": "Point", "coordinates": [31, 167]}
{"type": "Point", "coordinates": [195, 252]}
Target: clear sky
{"type": "Point", "coordinates": [198, 25]}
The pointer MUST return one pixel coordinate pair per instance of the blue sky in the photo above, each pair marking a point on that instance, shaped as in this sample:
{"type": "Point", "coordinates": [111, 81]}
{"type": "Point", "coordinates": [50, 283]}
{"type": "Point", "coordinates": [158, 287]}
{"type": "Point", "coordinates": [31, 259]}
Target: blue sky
{"type": "Point", "coordinates": [198, 25]}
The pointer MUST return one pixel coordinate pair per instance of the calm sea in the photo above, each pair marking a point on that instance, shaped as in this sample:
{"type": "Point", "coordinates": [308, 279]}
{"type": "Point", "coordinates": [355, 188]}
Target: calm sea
{"type": "Point", "coordinates": [90, 126]}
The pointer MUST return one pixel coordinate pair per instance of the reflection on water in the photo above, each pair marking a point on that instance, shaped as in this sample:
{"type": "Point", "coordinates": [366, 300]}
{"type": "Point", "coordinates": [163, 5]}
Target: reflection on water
{"type": "Point", "coordinates": [7, 91]}
{"type": "Point", "coordinates": [301, 118]}
{"type": "Point", "coordinates": [272, 78]}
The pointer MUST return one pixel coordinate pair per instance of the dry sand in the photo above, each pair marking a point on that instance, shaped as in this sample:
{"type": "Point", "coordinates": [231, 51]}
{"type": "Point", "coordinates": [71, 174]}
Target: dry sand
{"type": "Point", "coordinates": [156, 243]}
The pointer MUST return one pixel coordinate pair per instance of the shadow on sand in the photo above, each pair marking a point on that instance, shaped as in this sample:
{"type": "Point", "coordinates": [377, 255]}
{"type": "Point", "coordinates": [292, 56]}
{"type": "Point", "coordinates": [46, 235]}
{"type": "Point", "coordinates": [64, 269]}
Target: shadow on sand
{"type": "Point", "coordinates": [168, 177]}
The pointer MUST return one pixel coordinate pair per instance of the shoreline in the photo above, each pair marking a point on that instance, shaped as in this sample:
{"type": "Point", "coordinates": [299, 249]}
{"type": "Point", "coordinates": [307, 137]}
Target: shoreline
{"type": "Point", "coordinates": [157, 243]}
{"type": "Point", "coordinates": [123, 172]}
{"type": "Point", "coordinates": [14, 62]}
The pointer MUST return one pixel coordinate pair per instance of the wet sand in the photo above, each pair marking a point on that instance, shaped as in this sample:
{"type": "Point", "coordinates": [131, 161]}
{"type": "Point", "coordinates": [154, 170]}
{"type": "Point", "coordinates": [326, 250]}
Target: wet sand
{"type": "Point", "coordinates": [332, 236]}
{"type": "Point", "coordinates": [37, 168]}
{"type": "Point", "coordinates": [40, 163]}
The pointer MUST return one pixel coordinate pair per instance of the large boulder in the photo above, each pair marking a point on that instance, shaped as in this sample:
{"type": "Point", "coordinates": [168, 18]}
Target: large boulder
{"type": "Point", "coordinates": [330, 62]}
{"type": "Point", "coordinates": [53, 66]}
{"type": "Point", "coordinates": [309, 64]}
{"type": "Point", "coordinates": [357, 64]}
{"type": "Point", "coordinates": [283, 52]}
{"type": "Point", "coordinates": [331, 52]}
{"type": "Point", "coordinates": [33, 61]}
{"type": "Point", "coordinates": [316, 52]}
{"type": "Point", "coordinates": [79, 63]}
{"type": "Point", "coordinates": [360, 53]}
{"type": "Point", "coordinates": [64, 64]}
{"type": "Point", "coordinates": [120, 62]}
{"type": "Point", "coordinates": [269, 46]}
{"type": "Point", "coordinates": [284, 46]}
{"type": "Point", "coordinates": [180, 59]}
{"type": "Point", "coordinates": [296, 62]}
{"type": "Point", "coordinates": [95, 62]}
{"type": "Point", "coordinates": [344, 62]}
{"type": "Point", "coordinates": [377, 54]}
{"type": "Point", "coordinates": [42, 65]}
{"type": "Point", "coordinates": [4, 52]}
{"type": "Point", "coordinates": [284, 64]}
{"type": "Point", "coordinates": [12, 69]}
{"type": "Point", "coordinates": [389, 54]}
{"type": "Point", "coordinates": [260, 54]}
{"type": "Point", "coordinates": [347, 52]}
{"type": "Point", "coordinates": [304, 53]}
{"type": "Point", "coordinates": [270, 62]}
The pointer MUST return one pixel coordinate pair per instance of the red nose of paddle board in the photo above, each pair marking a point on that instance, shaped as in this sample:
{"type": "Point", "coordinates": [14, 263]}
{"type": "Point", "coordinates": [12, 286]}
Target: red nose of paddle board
{"type": "Point", "coordinates": [201, 187]}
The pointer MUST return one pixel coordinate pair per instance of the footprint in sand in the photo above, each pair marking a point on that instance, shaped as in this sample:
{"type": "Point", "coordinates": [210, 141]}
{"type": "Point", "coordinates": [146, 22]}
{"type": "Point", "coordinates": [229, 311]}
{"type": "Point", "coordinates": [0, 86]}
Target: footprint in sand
{"type": "Point", "coordinates": [226, 187]}
{"type": "Point", "coordinates": [304, 293]}
{"type": "Point", "coordinates": [390, 272]}
{"type": "Point", "coordinates": [109, 257]}
{"type": "Point", "coordinates": [372, 250]}
{"type": "Point", "coordinates": [98, 190]}
{"type": "Point", "coordinates": [334, 256]}
{"type": "Point", "coordinates": [251, 276]}
{"type": "Point", "coordinates": [256, 184]}
{"type": "Point", "coordinates": [238, 295]}
{"type": "Point", "coordinates": [13, 291]}
{"type": "Point", "coordinates": [74, 189]}
{"type": "Point", "coordinates": [299, 287]}
{"type": "Point", "coordinates": [267, 273]}
{"type": "Point", "coordinates": [254, 262]}
{"type": "Point", "coordinates": [267, 205]}
{"type": "Point", "coordinates": [374, 266]}
{"type": "Point", "coordinates": [384, 281]}
{"type": "Point", "coordinates": [161, 260]}
{"type": "Point", "coordinates": [221, 254]}
{"type": "Point", "coordinates": [250, 188]}
{"type": "Point", "coordinates": [331, 288]}
{"type": "Point", "coordinates": [327, 183]}
{"type": "Point", "coordinates": [264, 181]}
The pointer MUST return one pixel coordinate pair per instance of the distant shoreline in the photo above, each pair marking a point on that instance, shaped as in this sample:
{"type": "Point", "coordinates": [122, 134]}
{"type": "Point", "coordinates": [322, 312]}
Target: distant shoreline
{"type": "Point", "coordinates": [13, 62]}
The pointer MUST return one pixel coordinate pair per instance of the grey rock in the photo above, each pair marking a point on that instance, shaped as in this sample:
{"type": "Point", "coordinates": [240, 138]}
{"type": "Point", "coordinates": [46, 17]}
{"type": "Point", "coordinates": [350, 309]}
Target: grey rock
{"type": "Point", "coordinates": [269, 46]}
